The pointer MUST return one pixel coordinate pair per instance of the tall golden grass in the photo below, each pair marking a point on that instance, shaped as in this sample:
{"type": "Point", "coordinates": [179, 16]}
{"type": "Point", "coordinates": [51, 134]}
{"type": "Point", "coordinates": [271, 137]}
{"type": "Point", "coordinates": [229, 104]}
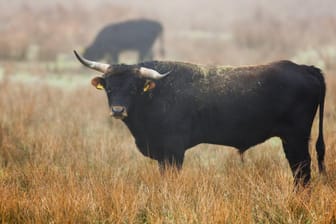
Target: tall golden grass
{"type": "Point", "coordinates": [64, 160]}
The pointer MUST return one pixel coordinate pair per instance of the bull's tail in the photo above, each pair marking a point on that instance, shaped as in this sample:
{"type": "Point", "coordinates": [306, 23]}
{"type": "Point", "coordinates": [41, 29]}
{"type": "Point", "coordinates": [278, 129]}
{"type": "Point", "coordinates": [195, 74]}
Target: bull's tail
{"type": "Point", "coordinates": [320, 146]}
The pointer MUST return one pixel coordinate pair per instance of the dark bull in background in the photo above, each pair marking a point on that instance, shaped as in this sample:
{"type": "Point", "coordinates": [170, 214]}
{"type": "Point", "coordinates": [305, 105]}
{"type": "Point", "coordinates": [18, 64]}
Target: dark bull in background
{"type": "Point", "coordinates": [135, 35]}
{"type": "Point", "coordinates": [170, 107]}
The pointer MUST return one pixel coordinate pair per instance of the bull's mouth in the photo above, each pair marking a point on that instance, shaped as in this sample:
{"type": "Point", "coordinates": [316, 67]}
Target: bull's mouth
{"type": "Point", "coordinates": [119, 116]}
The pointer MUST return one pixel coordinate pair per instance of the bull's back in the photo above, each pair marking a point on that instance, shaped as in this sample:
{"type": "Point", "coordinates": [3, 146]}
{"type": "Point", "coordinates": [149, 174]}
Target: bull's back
{"type": "Point", "coordinates": [256, 104]}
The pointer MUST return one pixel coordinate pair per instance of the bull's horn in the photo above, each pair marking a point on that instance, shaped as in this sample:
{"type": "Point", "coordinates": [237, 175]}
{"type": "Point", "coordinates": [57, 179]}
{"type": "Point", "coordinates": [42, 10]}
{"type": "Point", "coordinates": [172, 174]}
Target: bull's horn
{"type": "Point", "coordinates": [151, 73]}
{"type": "Point", "coordinates": [100, 67]}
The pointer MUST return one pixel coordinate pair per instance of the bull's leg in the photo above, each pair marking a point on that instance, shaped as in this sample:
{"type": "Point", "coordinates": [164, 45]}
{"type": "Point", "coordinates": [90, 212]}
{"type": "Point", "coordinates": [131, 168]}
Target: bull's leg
{"type": "Point", "coordinates": [297, 154]}
{"type": "Point", "coordinates": [114, 57]}
{"type": "Point", "coordinates": [141, 56]}
{"type": "Point", "coordinates": [150, 55]}
{"type": "Point", "coordinates": [171, 161]}
{"type": "Point", "coordinates": [145, 54]}
{"type": "Point", "coordinates": [171, 154]}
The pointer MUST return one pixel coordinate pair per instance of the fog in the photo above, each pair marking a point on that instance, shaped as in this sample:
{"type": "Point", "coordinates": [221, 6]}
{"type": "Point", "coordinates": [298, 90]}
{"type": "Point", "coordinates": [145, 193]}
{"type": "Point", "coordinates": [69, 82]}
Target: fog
{"type": "Point", "coordinates": [209, 32]}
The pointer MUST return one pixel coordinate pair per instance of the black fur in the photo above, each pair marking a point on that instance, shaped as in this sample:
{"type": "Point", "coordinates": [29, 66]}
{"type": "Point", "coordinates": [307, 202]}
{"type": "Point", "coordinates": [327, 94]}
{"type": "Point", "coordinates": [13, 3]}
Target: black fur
{"type": "Point", "coordinates": [235, 106]}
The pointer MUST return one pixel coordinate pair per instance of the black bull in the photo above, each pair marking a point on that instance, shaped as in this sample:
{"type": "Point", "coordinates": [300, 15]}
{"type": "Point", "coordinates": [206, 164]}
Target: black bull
{"type": "Point", "coordinates": [136, 35]}
{"type": "Point", "coordinates": [235, 106]}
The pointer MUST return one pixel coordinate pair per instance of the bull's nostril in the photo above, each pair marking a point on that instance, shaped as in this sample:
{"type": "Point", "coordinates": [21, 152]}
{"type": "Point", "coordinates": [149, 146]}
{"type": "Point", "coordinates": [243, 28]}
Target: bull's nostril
{"type": "Point", "coordinates": [118, 109]}
{"type": "Point", "coordinates": [118, 112]}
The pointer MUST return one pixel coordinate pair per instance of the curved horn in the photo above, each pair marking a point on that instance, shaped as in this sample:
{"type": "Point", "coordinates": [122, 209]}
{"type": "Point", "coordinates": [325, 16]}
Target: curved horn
{"type": "Point", "coordinates": [100, 67]}
{"type": "Point", "coordinates": [151, 73]}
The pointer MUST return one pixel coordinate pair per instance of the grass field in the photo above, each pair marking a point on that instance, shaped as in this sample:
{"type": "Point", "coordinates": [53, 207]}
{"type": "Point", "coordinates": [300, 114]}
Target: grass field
{"type": "Point", "coordinates": [64, 160]}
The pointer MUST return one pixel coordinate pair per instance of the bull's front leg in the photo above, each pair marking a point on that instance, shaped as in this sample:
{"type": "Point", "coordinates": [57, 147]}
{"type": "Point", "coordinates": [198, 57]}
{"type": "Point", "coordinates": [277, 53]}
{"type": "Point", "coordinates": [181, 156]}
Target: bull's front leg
{"type": "Point", "coordinates": [171, 153]}
{"type": "Point", "coordinates": [174, 161]}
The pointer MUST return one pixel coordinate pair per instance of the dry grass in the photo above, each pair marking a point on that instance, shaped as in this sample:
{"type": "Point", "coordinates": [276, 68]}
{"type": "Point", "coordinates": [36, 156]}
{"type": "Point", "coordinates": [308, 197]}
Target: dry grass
{"type": "Point", "coordinates": [63, 160]}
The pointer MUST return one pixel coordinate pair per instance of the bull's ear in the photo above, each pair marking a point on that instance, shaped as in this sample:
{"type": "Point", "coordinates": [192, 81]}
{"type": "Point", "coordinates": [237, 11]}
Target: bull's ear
{"type": "Point", "coordinates": [98, 82]}
{"type": "Point", "coordinates": [149, 85]}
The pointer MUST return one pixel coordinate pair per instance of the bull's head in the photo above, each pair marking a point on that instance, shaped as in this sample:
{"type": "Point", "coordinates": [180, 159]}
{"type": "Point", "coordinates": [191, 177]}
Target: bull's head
{"type": "Point", "coordinates": [122, 83]}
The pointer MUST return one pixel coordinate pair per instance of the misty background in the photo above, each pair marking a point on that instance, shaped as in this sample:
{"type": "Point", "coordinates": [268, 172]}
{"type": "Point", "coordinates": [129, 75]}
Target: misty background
{"type": "Point", "coordinates": [208, 32]}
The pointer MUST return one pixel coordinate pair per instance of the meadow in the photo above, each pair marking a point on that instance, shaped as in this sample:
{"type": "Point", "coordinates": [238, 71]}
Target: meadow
{"type": "Point", "coordinates": [63, 159]}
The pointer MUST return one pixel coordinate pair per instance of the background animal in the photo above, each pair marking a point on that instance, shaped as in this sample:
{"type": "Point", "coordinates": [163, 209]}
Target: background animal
{"type": "Point", "coordinates": [235, 106]}
{"type": "Point", "coordinates": [135, 35]}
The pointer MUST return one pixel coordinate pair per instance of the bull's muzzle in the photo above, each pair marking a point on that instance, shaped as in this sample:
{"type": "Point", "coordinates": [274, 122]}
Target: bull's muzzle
{"type": "Point", "coordinates": [118, 112]}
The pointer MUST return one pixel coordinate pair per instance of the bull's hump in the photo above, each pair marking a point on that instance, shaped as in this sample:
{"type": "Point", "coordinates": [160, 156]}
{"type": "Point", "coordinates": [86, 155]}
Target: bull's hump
{"type": "Point", "coordinates": [205, 71]}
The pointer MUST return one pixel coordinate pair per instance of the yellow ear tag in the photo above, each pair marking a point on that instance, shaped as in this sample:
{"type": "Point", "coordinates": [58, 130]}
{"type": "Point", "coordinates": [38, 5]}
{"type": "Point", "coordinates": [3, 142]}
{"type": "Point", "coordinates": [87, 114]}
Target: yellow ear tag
{"type": "Point", "coordinates": [99, 86]}
{"type": "Point", "coordinates": [149, 85]}
{"type": "Point", "coordinates": [146, 87]}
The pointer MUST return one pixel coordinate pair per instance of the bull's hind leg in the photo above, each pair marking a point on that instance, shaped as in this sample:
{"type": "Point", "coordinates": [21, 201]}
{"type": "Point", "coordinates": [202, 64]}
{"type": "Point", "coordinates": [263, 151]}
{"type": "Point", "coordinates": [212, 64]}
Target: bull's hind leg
{"type": "Point", "coordinates": [297, 154]}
